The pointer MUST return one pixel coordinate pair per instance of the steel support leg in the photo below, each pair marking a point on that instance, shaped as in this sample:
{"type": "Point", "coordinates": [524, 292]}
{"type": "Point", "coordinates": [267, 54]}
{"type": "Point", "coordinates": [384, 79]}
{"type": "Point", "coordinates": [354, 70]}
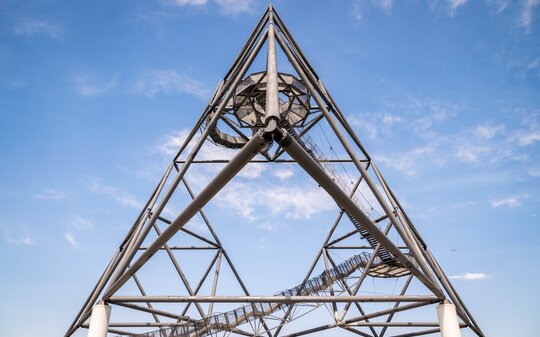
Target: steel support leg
{"type": "Point", "coordinates": [448, 320]}
{"type": "Point", "coordinates": [99, 321]}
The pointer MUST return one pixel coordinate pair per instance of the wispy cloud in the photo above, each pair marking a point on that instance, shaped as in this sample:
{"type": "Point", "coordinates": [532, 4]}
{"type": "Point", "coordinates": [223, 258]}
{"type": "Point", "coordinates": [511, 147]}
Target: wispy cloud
{"type": "Point", "coordinates": [253, 170]}
{"type": "Point", "coordinates": [188, 2]}
{"type": "Point", "coordinates": [455, 4]}
{"type": "Point", "coordinates": [50, 194]}
{"type": "Point", "coordinates": [169, 82]}
{"type": "Point", "coordinates": [533, 64]}
{"type": "Point", "coordinates": [36, 27]}
{"type": "Point", "coordinates": [511, 202]}
{"type": "Point", "coordinates": [470, 154]}
{"type": "Point", "coordinates": [359, 5]}
{"type": "Point", "coordinates": [368, 127]}
{"type": "Point", "coordinates": [120, 196]}
{"type": "Point", "coordinates": [470, 276]}
{"type": "Point", "coordinates": [527, 13]}
{"type": "Point", "coordinates": [197, 227]}
{"type": "Point", "coordinates": [23, 239]}
{"type": "Point", "coordinates": [70, 239]}
{"type": "Point", "coordinates": [500, 5]}
{"type": "Point", "coordinates": [91, 86]}
{"type": "Point", "coordinates": [357, 11]}
{"type": "Point", "coordinates": [488, 131]}
{"type": "Point", "coordinates": [235, 7]}
{"type": "Point", "coordinates": [391, 119]}
{"type": "Point", "coordinates": [227, 7]}
{"type": "Point", "coordinates": [283, 173]}
{"type": "Point", "coordinates": [271, 226]}
{"type": "Point", "coordinates": [404, 162]}
{"type": "Point", "coordinates": [385, 5]}
{"type": "Point", "coordinates": [293, 202]}
{"type": "Point", "coordinates": [171, 143]}
{"type": "Point", "coordinates": [527, 137]}
{"type": "Point", "coordinates": [82, 223]}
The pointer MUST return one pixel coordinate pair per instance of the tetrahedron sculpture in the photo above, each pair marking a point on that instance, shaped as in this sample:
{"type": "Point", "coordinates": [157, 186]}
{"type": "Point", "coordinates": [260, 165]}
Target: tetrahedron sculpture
{"type": "Point", "coordinates": [274, 118]}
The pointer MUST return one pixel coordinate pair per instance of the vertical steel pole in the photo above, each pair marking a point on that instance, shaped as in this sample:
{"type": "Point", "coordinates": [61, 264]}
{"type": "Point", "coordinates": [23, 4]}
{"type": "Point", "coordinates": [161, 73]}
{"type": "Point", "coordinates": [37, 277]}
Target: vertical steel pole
{"type": "Point", "coordinates": [272, 89]}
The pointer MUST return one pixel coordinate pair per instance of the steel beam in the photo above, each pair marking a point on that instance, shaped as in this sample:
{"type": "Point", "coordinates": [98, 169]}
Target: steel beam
{"type": "Point", "coordinates": [273, 299]}
{"type": "Point", "coordinates": [317, 173]}
{"type": "Point", "coordinates": [425, 279]}
{"type": "Point", "coordinates": [253, 147]}
{"type": "Point", "coordinates": [272, 110]}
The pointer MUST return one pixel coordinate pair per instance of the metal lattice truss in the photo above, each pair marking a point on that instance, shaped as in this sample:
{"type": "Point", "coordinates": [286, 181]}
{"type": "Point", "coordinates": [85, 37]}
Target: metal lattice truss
{"type": "Point", "coordinates": [273, 118]}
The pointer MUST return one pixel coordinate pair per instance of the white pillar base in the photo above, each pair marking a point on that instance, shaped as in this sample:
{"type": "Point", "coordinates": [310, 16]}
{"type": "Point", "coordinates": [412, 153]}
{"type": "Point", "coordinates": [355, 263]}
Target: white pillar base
{"type": "Point", "coordinates": [99, 321]}
{"type": "Point", "coordinates": [448, 320]}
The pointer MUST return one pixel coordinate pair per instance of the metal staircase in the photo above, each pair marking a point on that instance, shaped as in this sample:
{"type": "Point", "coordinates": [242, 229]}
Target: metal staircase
{"type": "Point", "coordinates": [228, 321]}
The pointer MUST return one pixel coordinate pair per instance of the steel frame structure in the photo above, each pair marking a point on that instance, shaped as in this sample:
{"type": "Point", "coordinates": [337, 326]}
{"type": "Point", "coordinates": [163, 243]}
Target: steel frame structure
{"type": "Point", "coordinates": [411, 254]}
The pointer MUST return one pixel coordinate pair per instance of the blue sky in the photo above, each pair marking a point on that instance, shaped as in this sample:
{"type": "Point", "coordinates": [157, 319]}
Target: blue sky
{"type": "Point", "coordinates": [95, 97]}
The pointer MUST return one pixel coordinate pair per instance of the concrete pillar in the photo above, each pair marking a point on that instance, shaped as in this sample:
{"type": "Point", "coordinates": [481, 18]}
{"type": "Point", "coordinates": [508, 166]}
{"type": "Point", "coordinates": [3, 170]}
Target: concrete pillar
{"type": "Point", "coordinates": [99, 321]}
{"type": "Point", "coordinates": [448, 320]}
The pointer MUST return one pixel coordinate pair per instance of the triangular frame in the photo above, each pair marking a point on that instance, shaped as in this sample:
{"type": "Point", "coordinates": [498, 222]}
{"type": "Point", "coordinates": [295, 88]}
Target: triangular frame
{"type": "Point", "coordinates": [414, 257]}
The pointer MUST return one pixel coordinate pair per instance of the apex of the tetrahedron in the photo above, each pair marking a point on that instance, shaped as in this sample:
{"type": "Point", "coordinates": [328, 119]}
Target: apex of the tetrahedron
{"type": "Point", "coordinates": [270, 7]}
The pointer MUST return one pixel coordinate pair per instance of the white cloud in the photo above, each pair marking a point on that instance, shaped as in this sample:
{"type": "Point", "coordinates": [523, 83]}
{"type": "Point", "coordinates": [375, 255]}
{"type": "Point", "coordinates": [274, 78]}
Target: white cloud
{"type": "Point", "coordinates": [369, 129]}
{"type": "Point", "coordinates": [253, 170]}
{"type": "Point", "coordinates": [385, 5]}
{"type": "Point", "coordinates": [188, 2]}
{"type": "Point", "coordinates": [34, 27]}
{"type": "Point", "coordinates": [233, 7]}
{"type": "Point", "coordinates": [227, 7]}
{"type": "Point", "coordinates": [433, 113]}
{"type": "Point", "coordinates": [271, 226]}
{"type": "Point", "coordinates": [197, 227]}
{"type": "Point", "coordinates": [357, 11]}
{"type": "Point", "coordinates": [283, 173]}
{"type": "Point", "coordinates": [117, 194]}
{"type": "Point", "coordinates": [470, 276]}
{"type": "Point", "coordinates": [359, 5]}
{"type": "Point", "coordinates": [51, 194]}
{"type": "Point", "coordinates": [70, 238]}
{"type": "Point", "coordinates": [501, 5]}
{"type": "Point", "coordinates": [170, 144]}
{"type": "Point", "coordinates": [511, 202]}
{"type": "Point", "coordinates": [533, 64]}
{"type": "Point", "coordinates": [404, 162]}
{"type": "Point", "coordinates": [527, 15]}
{"type": "Point", "coordinates": [293, 202]}
{"type": "Point", "coordinates": [525, 138]}
{"type": "Point", "coordinates": [169, 82]}
{"type": "Point", "coordinates": [82, 223]}
{"type": "Point", "coordinates": [89, 86]}
{"type": "Point", "coordinates": [391, 119]}
{"type": "Point", "coordinates": [455, 4]}
{"type": "Point", "coordinates": [24, 239]}
{"type": "Point", "coordinates": [534, 172]}
{"type": "Point", "coordinates": [471, 153]}
{"type": "Point", "coordinates": [488, 131]}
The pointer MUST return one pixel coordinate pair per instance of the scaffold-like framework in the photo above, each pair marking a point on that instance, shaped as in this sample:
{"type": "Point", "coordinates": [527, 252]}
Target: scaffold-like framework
{"type": "Point", "coordinates": [270, 117]}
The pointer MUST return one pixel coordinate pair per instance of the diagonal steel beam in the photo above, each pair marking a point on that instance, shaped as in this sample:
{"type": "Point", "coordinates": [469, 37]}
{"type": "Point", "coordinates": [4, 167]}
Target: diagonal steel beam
{"type": "Point", "coordinates": [426, 277]}
{"type": "Point", "coordinates": [319, 254]}
{"type": "Point", "coordinates": [253, 147]}
{"type": "Point", "coordinates": [317, 173]}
